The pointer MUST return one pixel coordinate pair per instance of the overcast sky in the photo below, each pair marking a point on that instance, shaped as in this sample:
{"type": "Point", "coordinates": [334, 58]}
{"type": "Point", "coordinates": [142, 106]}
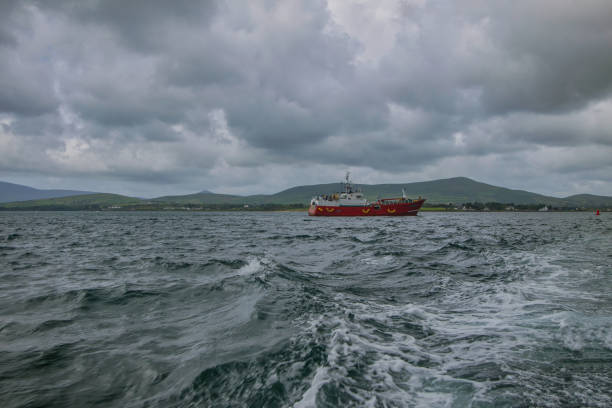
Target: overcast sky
{"type": "Point", "coordinates": [149, 98]}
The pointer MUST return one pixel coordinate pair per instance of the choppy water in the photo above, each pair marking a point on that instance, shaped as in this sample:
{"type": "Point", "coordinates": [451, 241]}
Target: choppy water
{"type": "Point", "coordinates": [279, 309]}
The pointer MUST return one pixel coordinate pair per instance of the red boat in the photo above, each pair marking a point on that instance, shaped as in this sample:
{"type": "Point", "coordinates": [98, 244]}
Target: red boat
{"type": "Point", "coordinates": [352, 203]}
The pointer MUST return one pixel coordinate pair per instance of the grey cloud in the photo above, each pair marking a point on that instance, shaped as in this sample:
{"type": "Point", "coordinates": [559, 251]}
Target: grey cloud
{"type": "Point", "coordinates": [141, 25]}
{"type": "Point", "coordinates": [31, 96]}
{"type": "Point", "coordinates": [97, 82]}
{"type": "Point", "coordinates": [566, 47]}
{"type": "Point", "coordinates": [26, 86]}
{"type": "Point", "coordinates": [523, 56]}
{"type": "Point", "coordinates": [128, 107]}
{"type": "Point", "coordinates": [208, 66]}
{"type": "Point", "coordinates": [7, 39]}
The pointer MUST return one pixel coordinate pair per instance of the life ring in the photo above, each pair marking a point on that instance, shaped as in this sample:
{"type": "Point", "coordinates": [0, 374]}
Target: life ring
{"type": "Point", "coordinates": [391, 210]}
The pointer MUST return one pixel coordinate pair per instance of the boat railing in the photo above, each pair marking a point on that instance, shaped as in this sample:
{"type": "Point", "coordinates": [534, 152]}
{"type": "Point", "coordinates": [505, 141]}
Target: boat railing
{"type": "Point", "coordinates": [395, 200]}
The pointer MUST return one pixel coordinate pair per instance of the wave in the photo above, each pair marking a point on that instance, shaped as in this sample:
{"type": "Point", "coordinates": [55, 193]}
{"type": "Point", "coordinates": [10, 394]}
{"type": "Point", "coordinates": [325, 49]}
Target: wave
{"type": "Point", "coordinates": [268, 310]}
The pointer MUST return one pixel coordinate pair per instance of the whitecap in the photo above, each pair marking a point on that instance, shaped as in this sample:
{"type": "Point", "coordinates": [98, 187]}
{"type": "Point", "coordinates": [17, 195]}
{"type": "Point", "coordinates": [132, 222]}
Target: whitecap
{"type": "Point", "coordinates": [253, 266]}
{"type": "Point", "coordinates": [309, 398]}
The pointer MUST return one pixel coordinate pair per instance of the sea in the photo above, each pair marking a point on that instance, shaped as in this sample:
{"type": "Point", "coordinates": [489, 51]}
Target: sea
{"type": "Point", "coordinates": [264, 309]}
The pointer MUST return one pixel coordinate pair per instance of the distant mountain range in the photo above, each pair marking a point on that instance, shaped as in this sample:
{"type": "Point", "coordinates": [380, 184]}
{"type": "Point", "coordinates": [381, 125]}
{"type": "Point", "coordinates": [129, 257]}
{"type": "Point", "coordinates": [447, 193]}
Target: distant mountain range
{"type": "Point", "coordinates": [453, 190]}
{"type": "Point", "coordinates": [16, 192]}
{"type": "Point", "coordinates": [456, 190]}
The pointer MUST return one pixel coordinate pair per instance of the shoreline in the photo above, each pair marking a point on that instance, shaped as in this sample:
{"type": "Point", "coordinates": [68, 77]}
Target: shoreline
{"type": "Point", "coordinates": [304, 210]}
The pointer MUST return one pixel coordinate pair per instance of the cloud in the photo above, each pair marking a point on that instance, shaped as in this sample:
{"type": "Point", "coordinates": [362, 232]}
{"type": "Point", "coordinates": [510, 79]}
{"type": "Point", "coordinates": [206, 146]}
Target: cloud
{"type": "Point", "coordinates": [260, 96]}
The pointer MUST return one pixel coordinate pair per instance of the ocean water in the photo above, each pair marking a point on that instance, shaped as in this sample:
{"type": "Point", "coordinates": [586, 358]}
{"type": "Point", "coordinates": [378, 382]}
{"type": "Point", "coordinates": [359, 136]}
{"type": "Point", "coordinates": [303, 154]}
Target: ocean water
{"type": "Point", "coordinates": [280, 309]}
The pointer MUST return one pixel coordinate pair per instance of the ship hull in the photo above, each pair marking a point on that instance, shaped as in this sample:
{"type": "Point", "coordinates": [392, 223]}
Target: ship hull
{"type": "Point", "coordinates": [370, 210]}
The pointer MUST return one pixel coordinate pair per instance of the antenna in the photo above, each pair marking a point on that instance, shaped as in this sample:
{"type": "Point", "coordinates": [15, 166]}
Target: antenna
{"type": "Point", "coordinates": [347, 183]}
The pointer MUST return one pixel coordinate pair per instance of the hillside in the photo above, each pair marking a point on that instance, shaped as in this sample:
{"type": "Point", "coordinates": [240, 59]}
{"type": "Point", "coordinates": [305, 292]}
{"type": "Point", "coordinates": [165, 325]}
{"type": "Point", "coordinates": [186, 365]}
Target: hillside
{"type": "Point", "coordinates": [86, 201]}
{"type": "Point", "coordinates": [15, 192]}
{"type": "Point", "coordinates": [453, 190]}
{"type": "Point", "coordinates": [589, 200]}
{"type": "Point", "coordinates": [456, 190]}
{"type": "Point", "coordinates": [210, 198]}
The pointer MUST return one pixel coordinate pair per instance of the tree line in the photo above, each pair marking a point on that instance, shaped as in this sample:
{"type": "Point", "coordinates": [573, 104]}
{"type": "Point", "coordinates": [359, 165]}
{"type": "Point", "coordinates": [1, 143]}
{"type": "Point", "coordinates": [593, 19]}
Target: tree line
{"type": "Point", "coordinates": [496, 206]}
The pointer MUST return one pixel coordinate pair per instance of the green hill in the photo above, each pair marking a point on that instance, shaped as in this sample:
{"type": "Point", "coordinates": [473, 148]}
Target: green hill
{"type": "Point", "coordinates": [10, 192]}
{"type": "Point", "coordinates": [453, 190]}
{"type": "Point", "coordinates": [209, 198]}
{"type": "Point", "coordinates": [589, 201]}
{"type": "Point", "coordinates": [456, 190]}
{"type": "Point", "coordinates": [86, 201]}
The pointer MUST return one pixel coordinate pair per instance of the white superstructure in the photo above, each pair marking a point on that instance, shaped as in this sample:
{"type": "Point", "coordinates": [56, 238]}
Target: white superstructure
{"type": "Point", "coordinates": [349, 197]}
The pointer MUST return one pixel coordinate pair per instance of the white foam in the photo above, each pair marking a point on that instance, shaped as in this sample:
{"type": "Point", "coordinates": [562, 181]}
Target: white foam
{"type": "Point", "coordinates": [309, 398]}
{"type": "Point", "coordinates": [607, 338]}
{"type": "Point", "coordinates": [481, 323]}
{"type": "Point", "coordinates": [577, 334]}
{"type": "Point", "coordinates": [385, 260]}
{"type": "Point", "coordinates": [389, 366]}
{"type": "Point", "coordinates": [253, 266]}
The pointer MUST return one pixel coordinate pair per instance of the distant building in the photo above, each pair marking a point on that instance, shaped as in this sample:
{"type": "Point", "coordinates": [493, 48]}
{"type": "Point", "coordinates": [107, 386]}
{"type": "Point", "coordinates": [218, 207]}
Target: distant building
{"type": "Point", "coordinates": [543, 209]}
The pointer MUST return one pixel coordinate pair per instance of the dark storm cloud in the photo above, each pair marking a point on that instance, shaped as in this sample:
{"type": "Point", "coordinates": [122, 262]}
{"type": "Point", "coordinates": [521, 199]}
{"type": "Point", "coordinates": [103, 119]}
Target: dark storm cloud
{"type": "Point", "coordinates": [560, 47]}
{"type": "Point", "coordinates": [142, 25]}
{"type": "Point", "coordinates": [30, 95]}
{"type": "Point", "coordinates": [518, 56]}
{"type": "Point", "coordinates": [25, 84]}
{"type": "Point", "coordinates": [158, 90]}
{"type": "Point", "coordinates": [128, 105]}
{"type": "Point", "coordinates": [7, 39]}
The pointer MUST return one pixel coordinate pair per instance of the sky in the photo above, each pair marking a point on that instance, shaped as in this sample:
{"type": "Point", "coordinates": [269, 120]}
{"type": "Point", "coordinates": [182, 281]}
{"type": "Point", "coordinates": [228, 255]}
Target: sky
{"type": "Point", "coordinates": [150, 98]}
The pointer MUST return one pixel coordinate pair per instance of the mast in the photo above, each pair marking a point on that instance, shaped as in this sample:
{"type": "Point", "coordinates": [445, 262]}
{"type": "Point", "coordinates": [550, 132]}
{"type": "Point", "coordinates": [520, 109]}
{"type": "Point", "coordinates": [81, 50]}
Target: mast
{"type": "Point", "coordinates": [347, 183]}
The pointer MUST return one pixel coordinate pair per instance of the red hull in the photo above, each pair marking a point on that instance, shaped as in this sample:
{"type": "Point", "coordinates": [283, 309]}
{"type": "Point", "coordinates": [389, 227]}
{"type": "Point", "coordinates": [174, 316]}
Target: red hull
{"type": "Point", "coordinates": [374, 209]}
